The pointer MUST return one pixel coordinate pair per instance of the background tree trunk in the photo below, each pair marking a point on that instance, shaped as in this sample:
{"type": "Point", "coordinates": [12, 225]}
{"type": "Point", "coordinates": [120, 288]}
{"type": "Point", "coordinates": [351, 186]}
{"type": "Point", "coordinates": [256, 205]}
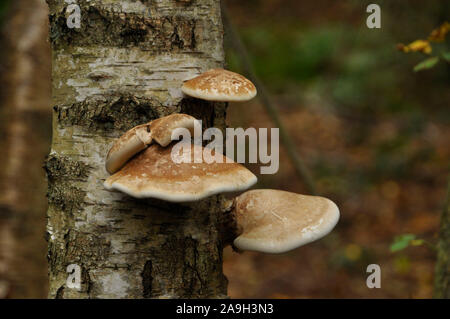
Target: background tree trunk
{"type": "Point", "coordinates": [442, 274]}
{"type": "Point", "coordinates": [124, 67]}
{"type": "Point", "coordinates": [25, 129]}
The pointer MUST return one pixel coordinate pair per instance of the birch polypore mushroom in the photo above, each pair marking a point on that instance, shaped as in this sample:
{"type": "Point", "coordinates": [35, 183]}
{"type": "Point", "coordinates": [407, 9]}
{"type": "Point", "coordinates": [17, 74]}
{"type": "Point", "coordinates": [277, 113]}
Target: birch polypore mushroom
{"type": "Point", "coordinates": [275, 221]}
{"type": "Point", "coordinates": [154, 174]}
{"type": "Point", "coordinates": [220, 85]}
{"type": "Point", "coordinates": [161, 129]}
{"type": "Point", "coordinates": [129, 144]}
{"type": "Point", "coordinates": [139, 137]}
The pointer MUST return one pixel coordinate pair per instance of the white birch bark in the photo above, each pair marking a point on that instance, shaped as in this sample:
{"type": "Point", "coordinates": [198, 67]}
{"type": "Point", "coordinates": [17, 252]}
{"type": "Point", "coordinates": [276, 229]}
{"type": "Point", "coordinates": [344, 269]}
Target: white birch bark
{"type": "Point", "coordinates": [124, 67]}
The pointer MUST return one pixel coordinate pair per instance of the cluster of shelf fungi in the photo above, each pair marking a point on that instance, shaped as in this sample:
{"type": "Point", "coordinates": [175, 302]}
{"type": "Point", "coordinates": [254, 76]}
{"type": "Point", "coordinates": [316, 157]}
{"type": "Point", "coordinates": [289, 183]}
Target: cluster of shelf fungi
{"type": "Point", "coordinates": [265, 220]}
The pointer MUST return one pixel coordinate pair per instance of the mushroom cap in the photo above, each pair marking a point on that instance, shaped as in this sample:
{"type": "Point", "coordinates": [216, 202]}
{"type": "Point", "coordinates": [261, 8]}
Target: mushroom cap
{"type": "Point", "coordinates": [153, 173]}
{"type": "Point", "coordinates": [139, 137]}
{"type": "Point", "coordinates": [274, 221]}
{"type": "Point", "coordinates": [130, 143]}
{"type": "Point", "coordinates": [220, 85]}
{"type": "Point", "coordinates": [162, 128]}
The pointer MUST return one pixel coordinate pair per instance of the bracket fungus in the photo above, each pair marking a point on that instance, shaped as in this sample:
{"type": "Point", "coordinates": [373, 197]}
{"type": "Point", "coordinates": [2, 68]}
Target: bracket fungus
{"type": "Point", "coordinates": [220, 85]}
{"type": "Point", "coordinates": [275, 221]}
{"type": "Point", "coordinates": [161, 129]}
{"type": "Point", "coordinates": [264, 220]}
{"type": "Point", "coordinates": [154, 174]}
{"type": "Point", "coordinates": [138, 138]}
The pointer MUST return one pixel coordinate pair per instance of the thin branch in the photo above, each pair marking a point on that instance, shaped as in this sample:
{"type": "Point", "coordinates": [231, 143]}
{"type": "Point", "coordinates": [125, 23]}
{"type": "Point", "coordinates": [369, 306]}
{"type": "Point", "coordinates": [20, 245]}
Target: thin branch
{"type": "Point", "coordinates": [266, 101]}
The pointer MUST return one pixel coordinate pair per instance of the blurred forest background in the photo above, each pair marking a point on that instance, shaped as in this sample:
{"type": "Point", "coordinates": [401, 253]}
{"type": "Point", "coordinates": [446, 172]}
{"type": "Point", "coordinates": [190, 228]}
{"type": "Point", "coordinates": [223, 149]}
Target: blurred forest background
{"type": "Point", "coordinates": [374, 135]}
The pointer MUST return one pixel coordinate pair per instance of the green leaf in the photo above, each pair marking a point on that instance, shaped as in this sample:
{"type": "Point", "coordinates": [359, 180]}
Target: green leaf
{"type": "Point", "coordinates": [401, 242]}
{"type": "Point", "coordinates": [426, 64]}
{"type": "Point", "coordinates": [446, 56]}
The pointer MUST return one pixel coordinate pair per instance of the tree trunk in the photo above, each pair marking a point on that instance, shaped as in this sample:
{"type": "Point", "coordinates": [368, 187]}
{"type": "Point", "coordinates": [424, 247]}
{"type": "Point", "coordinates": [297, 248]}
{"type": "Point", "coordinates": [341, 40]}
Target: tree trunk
{"type": "Point", "coordinates": [124, 67]}
{"type": "Point", "coordinates": [24, 141]}
{"type": "Point", "coordinates": [442, 274]}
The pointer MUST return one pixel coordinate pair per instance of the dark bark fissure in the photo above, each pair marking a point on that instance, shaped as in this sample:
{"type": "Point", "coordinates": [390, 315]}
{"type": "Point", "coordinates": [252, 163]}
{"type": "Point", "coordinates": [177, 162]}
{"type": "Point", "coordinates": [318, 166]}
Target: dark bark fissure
{"type": "Point", "coordinates": [121, 112]}
{"type": "Point", "coordinates": [115, 113]}
{"type": "Point", "coordinates": [119, 29]}
{"type": "Point", "coordinates": [147, 279]}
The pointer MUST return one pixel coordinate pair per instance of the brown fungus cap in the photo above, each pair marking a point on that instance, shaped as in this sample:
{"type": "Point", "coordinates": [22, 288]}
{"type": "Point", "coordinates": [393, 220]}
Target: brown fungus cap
{"type": "Point", "coordinates": [153, 173]}
{"type": "Point", "coordinates": [274, 221]}
{"type": "Point", "coordinates": [220, 85]}
{"type": "Point", "coordinates": [129, 144]}
{"type": "Point", "coordinates": [139, 137]}
{"type": "Point", "coordinates": [162, 128]}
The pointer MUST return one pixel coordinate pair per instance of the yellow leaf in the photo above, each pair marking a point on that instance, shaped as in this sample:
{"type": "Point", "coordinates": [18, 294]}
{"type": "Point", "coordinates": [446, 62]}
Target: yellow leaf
{"type": "Point", "coordinates": [416, 46]}
{"type": "Point", "coordinates": [427, 50]}
{"type": "Point", "coordinates": [438, 34]}
{"type": "Point", "coordinates": [420, 46]}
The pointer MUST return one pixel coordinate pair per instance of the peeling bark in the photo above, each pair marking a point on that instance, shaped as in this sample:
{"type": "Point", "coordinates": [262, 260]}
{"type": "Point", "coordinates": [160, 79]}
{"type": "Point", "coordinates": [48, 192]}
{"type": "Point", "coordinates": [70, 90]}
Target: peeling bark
{"type": "Point", "coordinates": [124, 67]}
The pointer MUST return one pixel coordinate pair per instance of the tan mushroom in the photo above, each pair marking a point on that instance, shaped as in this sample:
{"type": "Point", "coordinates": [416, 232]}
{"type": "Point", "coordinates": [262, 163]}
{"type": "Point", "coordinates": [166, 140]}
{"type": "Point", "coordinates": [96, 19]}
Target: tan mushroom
{"type": "Point", "coordinates": [162, 128]}
{"type": "Point", "coordinates": [139, 137]}
{"type": "Point", "coordinates": [129, 144]}
{"type": "Point", "coordinates": [275, 221]}
{"type": "Point", "coordinates": [220, 85]}
{"type": "Point", "coordinates": [153, 173]}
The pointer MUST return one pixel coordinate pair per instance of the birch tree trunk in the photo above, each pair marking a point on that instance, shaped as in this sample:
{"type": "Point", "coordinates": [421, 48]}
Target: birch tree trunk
{"type": "Point", "coordinates": [124, 67]}
{"type": "Point", "coordinates": [24, 142]}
